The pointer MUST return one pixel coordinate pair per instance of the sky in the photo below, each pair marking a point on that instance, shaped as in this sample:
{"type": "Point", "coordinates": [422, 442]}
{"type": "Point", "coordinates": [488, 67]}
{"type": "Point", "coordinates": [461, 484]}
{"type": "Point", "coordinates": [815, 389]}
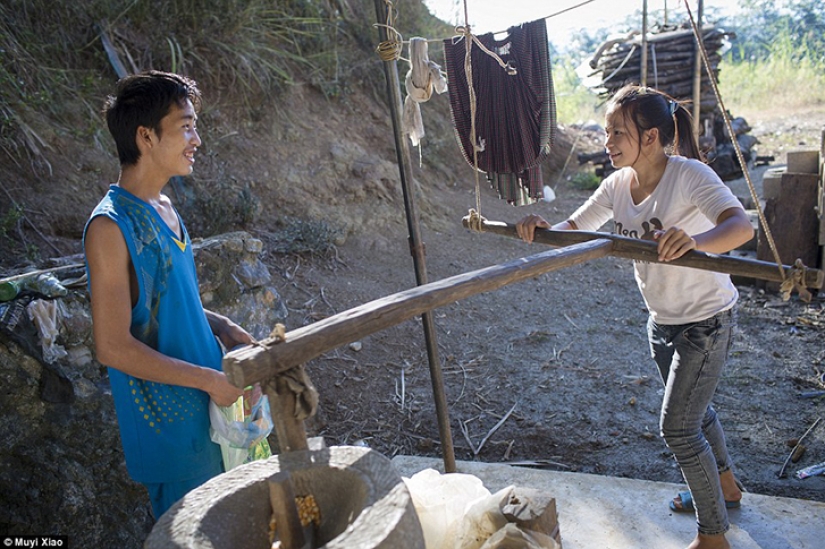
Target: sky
{"type": "Point", "coordinates": [497, 15]}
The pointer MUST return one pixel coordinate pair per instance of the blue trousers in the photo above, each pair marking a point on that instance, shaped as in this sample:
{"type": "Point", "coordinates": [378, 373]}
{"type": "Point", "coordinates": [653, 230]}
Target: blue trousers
{"type": "Point", "coordinates": [690, 358]}
{"type": "Point", "coordinates": [163, 495]}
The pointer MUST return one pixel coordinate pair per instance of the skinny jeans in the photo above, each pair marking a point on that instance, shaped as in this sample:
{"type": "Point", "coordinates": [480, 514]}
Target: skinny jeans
{"type": "Point", "coordinates": [690, 358]}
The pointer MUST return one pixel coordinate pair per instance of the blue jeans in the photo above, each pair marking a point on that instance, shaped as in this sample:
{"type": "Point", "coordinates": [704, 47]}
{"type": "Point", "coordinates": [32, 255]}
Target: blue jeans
{"type": "Point", "coordinates": [690, 359]}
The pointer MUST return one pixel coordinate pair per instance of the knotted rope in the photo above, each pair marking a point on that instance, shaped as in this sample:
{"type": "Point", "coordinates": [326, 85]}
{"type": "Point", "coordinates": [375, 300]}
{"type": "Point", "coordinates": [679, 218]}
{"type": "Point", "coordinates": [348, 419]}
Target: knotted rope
{"type": "Point", "coordinates": [390, 49]}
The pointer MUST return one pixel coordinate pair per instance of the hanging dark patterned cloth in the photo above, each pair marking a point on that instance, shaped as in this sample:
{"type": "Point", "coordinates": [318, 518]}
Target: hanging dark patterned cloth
{"type": "Point", "coordinates": [515, 114]}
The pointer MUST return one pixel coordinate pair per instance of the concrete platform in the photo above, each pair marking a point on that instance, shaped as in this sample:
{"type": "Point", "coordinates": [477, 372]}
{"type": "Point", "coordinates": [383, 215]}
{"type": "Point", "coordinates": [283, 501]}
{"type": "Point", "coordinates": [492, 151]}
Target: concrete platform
{"type": "Point", "coordinates": [599, 512]}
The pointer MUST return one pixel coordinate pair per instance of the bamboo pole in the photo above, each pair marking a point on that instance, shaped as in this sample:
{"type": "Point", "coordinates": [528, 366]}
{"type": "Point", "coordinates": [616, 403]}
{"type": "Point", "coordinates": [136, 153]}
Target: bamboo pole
{"type": "Point", "coordinates": [643, 64]}
{"type": "Point", "coordinates": [643, 250]}
{"type": "Point", "coordinates": [255, 363]}
{"type": "Point", "coordinates": [697, 76]}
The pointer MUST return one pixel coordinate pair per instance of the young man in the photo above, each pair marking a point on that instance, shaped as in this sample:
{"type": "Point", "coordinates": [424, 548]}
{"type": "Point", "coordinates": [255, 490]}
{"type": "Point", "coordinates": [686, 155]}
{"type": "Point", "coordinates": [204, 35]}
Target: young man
{"type": "Point", "coordinates": [150, 327]}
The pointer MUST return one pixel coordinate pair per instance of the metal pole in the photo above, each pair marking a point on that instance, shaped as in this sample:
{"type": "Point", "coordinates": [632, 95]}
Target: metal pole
{"type": "Point", "coordinates": [643, 76]}
{"type": "Point", "coordinates": [402, 151]}
{"type": "Point", "coordinates": [697, 75]}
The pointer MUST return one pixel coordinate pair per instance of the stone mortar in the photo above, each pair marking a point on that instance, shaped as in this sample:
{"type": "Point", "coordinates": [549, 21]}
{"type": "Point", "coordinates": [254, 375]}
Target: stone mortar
{"type": "Point", "coordinates": [362, 499]}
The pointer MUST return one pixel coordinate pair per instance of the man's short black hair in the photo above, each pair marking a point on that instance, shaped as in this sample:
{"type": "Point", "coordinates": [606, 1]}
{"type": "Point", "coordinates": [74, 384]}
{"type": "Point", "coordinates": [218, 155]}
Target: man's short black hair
{"type": "Point", "coordinates": [143, 100]}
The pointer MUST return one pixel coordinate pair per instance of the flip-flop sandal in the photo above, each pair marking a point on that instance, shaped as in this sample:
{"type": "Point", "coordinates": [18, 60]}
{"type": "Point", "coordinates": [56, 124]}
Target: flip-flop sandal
{"type": "Point", "coordinates": [687, 503]}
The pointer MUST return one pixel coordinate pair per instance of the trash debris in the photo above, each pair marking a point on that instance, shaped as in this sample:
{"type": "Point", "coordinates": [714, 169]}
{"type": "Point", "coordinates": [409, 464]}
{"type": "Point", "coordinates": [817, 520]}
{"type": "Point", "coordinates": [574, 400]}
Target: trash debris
{"type": "Point", "coordinates": [8, 290]}
{"type": "Point", "coordinates": [781, 473]}
{"type": "Point", "coordinates": [811, 471]}
{"type": "Point", "coordinates": [45, 284]}
{"type": "Point", "coordinates": [44, 315]}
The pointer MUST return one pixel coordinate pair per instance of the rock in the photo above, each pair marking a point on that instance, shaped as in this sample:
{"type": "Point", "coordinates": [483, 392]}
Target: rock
{"type": "Point", "coordinates": [62, 469]}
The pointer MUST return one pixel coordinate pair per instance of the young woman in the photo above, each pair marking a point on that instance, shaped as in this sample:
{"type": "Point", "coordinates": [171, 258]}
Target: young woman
{"type": "Point", "coordinates": [662, 191]}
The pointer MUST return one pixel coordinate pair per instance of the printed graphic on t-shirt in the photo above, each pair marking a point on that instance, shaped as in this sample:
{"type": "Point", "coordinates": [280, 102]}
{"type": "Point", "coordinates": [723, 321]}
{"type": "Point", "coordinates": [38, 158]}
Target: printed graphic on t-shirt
{"type": "Point", "coordinates": [648, 228]}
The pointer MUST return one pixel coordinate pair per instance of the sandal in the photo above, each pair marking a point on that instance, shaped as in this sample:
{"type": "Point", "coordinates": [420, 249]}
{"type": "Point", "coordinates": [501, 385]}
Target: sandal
{"type": "Point", "coordinates": [687, 503]}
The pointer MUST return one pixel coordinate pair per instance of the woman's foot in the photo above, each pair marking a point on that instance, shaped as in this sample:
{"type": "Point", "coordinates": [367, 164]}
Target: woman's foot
{"type": "Point", "coordinates": [731, 490]}
{"type": "Point", "coordinates": [709, 542]}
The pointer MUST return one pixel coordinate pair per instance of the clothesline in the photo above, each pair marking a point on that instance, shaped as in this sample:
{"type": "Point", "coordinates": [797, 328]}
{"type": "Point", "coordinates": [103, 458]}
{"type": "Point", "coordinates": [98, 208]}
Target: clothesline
{"type": "Point", "coordinates": [560, 12]}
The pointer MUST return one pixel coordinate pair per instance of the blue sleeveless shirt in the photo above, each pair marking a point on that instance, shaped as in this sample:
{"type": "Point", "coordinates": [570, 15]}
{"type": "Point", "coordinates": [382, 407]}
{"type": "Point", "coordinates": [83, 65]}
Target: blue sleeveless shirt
{"type": "Point", "coordinates": [164, 428]}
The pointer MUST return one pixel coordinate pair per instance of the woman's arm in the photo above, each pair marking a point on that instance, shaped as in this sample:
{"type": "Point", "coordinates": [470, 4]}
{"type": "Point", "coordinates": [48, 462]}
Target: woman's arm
{"type": "Point", "coordinates": [733, 228]}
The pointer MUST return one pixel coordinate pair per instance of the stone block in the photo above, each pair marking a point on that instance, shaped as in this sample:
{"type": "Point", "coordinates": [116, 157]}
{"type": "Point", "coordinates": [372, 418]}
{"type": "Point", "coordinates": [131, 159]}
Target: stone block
{"type": "Point", "coordinates": [803, 161]}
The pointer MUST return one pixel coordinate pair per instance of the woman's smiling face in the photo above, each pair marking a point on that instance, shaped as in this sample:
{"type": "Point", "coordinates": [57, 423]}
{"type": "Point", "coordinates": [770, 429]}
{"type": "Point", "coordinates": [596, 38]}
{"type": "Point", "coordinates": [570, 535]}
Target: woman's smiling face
{"type": "Point", "coordinates": [621, 140]}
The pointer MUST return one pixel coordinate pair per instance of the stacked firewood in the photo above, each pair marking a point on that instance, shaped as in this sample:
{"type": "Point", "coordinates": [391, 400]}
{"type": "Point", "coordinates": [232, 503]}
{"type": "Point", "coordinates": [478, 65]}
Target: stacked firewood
{"type": "Point", "coordinates": [670, 62]}
{"type": "Point", "coordinates": [671, 68]}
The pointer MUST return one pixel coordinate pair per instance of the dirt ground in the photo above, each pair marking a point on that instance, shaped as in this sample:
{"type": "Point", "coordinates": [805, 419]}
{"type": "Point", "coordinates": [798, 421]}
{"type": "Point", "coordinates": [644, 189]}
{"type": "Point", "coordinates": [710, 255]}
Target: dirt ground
{"type": "Point", "coordinates": [553, 372]}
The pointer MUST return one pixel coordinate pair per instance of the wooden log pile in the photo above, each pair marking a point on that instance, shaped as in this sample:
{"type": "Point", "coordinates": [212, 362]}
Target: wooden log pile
{"type": "Point", "coordinates": [670, 62]}
{"type": "Point", "coordinates": [670, 68]}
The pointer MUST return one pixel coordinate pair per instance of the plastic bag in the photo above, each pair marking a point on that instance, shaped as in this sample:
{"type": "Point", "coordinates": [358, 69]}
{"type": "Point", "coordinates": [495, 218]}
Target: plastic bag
{"type": "Point", "coordinates": [44, 314]}
{"type": "Point", "coordinates": [241, 429]}
{"type": "Point", "coordinates": [441, 501]}
{"type": "Point", "coordinates": [485, 526]}
{"type": "Point", "coordinates": [513, 537]}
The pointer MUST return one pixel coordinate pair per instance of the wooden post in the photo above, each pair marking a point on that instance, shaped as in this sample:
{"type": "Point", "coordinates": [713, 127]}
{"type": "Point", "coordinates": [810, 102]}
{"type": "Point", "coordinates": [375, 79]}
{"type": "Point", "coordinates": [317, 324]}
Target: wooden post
{"type": "Point", "coordinates": [290, 430]}
{"type": "Point", "coordinates": [697, 76]}
{"type": "Point", "coordinates": [287, 522]}
{"type": "Point", "coordinates": [643, 75]}
{"type": "Point", "coordinates": [402, 151]}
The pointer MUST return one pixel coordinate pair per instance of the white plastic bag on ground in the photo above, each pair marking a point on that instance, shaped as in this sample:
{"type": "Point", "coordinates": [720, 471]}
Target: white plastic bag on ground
{"type": "Point", "coordinates": [513, 537]}
{"type": "Point", "coordinates": [44, 315]}
{"type": "Point", "coordinates": [440, 501]}
{"type": "Point", "coordinates": [485, 526]}
{"type": "Point", "coordinates": [482, 519]}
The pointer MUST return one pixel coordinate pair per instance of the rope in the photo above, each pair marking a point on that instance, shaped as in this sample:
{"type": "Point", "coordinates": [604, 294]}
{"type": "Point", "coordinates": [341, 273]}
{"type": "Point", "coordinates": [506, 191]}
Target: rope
{"type": "Point", "coordinates": [468, 71]}
{"type": "Point", "coordinates": [565, 10]}
{"type": "Point", "coordinates": [739, 156]}
{"type": "Point", "coordinates": [390, 49]}
{"type": "Point", "coordinates": [465, 32]}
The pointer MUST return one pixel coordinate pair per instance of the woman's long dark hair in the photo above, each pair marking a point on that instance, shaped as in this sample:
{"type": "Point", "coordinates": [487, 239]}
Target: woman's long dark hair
{"type": "Point", "coordinates": [650, 108]}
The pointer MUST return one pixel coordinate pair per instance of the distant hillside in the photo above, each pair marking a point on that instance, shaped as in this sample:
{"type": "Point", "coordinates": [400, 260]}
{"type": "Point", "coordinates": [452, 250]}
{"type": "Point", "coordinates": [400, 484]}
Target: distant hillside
{"type": "Point", "coordinates": [295, 122]}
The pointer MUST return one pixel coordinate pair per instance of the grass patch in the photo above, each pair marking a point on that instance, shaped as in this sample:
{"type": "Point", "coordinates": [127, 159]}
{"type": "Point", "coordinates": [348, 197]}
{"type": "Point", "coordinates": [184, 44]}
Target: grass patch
{"type": "Point", "coordinates": [787, 77]}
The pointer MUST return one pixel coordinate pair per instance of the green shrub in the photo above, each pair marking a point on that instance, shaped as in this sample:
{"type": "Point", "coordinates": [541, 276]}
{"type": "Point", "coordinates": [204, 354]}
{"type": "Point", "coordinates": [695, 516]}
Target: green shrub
{"type": "Point", "coordinates": [584, 180]}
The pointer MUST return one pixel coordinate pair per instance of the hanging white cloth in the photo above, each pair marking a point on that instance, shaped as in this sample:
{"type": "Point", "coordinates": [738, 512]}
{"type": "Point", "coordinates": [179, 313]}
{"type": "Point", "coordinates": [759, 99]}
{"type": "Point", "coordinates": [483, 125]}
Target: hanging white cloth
{"type": "Point", "coordinates": [422, 79]}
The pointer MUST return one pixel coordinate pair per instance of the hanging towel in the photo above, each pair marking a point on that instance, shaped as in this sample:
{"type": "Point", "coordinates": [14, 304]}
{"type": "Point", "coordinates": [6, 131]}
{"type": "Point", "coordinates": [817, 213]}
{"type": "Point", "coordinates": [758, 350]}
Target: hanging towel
{"type": "Point", "coordinates": [515, 114]}
{"type": "Point", "coordinates": [423, 78]}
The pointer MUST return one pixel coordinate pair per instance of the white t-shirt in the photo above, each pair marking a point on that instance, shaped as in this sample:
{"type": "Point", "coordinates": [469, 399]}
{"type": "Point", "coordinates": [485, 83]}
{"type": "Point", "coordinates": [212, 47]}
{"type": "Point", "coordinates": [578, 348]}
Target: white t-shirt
{"type": "Point", "coordinates": [690, 196]}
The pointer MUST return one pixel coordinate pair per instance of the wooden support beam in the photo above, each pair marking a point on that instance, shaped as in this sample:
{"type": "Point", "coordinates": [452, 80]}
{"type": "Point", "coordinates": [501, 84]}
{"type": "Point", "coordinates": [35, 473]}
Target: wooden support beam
{"type": "Point", "coordinates": [255, 363]}
{"type": "Point", "coordinates": [284, 511]}
{"type": "Point", "coordinates": [291, 432]}
{"type": "Point", "coordinates": [643, 250]}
